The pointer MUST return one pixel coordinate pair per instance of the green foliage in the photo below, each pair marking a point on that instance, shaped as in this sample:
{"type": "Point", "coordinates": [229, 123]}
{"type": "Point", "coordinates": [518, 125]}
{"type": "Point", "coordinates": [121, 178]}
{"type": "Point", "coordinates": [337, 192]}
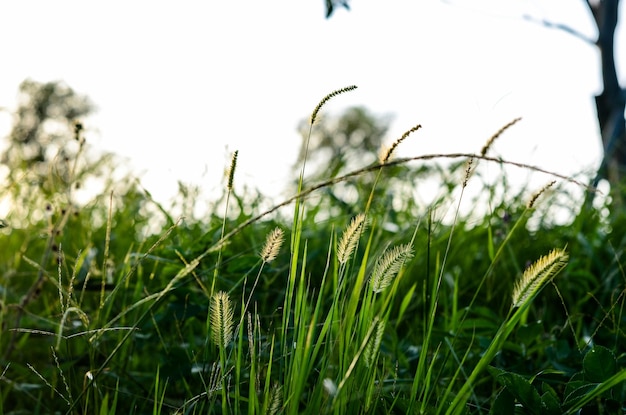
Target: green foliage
{"type": "Point", "coordinates": [392, 305]}
{"type": "Point", "coordinates": [599, 381]}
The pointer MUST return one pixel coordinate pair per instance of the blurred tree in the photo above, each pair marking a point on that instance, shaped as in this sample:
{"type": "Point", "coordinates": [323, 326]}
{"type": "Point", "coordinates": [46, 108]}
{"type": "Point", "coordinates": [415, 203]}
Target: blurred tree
{"type": "Point", "coordinates": [347, 142]}
{"type": "Point", "coordinates": [44, 117]}
{"type": "Point", "coordinates": [44, 125]}
{"type": "Point", "coordinates": [45, 157]}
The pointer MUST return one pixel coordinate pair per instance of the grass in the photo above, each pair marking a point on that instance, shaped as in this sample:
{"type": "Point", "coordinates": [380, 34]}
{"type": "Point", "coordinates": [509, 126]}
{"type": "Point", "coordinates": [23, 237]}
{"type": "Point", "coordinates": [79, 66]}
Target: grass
{"type": "Point", "coordinates": [305, 308]}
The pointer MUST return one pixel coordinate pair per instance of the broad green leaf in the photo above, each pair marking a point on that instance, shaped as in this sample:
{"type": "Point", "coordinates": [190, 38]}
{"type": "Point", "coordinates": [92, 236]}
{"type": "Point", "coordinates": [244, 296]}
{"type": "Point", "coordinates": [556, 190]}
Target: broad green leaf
{"type": "Point", "coordinates": [520, 388]}
{"type": "Point", "coordinates": [599, 364]}
{"type": "Point", "coordinates": [550, 400]}
{"type": "Point", "coordinates": [581, 389]}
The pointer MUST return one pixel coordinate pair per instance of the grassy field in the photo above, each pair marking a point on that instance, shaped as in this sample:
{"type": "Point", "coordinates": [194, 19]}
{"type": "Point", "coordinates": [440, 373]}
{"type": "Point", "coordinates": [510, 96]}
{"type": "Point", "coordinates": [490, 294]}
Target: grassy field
{"type": "Point", "coordinates": [478, 303]}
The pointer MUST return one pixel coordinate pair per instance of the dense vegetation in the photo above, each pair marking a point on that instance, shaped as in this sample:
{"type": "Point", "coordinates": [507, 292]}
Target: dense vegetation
{"type": "Point", "coordinates": [351, 297]}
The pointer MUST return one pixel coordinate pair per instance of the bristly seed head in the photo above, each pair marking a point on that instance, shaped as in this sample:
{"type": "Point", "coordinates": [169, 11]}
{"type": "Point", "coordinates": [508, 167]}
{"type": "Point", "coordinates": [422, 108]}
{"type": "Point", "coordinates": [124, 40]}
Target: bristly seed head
{"type": "Point", "coordinates": [327, 98]}
{"type": "Point", "coordinates": [373, 345]}
{"type": "Point", "coordinates": [537, 275]}
{"type": "Point", "coordinates": [536, 195]}
{"type": "Point", "coordinates": [388, 266]}
{"type": "Point", "coordinates": [468, 171]}
{"type": "Point", "coordinates": [231, 170]}
{"type": "Point", "coordinates": [498, 133]}
{"type": "Point", "coordinates": [276, 399]}
{"type": "Point", "coordinates": [350, 237]}
{"type": "Point", "coordinates": [272, 245]}
{"type": "Point", "coordinates": [386, 153]}
{"type": "Point", "coordinates": [222, 318]}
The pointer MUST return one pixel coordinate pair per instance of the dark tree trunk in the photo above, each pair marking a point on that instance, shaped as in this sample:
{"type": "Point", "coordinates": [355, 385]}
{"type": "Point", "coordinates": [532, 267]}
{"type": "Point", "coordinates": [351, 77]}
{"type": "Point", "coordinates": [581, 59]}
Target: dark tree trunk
{"type": "Point", "coordinates": [611, 103]}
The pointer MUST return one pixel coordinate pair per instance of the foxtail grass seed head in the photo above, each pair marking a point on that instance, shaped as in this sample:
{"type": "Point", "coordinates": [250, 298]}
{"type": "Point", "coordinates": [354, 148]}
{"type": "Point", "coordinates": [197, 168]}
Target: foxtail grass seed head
{"type": "Point", "coordinates": [373, 345]}
{"type": "Point", "coordinates": [272, 245]}
{"type": "Point", "coordinates": [231, 170]}
{"type": "Point", "coordinates": [388, 266]}
{"type": "Point", "coordinates": [222, 319]}
{"type": "Point", "coordinates": [535, 196]}
{"type": "Point", "coordinates": [350, 237]}
{"type": "Point", "coordinates": [468, 171]}
{"type": "Point", "coordinates": [327, 98]}
{"type": "Point", "coordinates": [386, 152]}
{"type": "Point", "coordinates": [276, 399]}
{"type": "Point", "coordinates": [537, 275]}
{"type": "Point", "coordinates": [498, 133]}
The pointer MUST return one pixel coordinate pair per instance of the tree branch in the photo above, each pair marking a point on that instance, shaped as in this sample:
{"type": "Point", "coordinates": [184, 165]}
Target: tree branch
{"type": "Point", "coordinates": [560, 26]}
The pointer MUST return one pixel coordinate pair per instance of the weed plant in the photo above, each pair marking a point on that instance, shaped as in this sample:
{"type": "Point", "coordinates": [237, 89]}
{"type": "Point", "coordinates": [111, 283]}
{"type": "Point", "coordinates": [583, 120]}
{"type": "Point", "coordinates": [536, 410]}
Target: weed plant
{"type": "Point", "coordinates": [389, 307]}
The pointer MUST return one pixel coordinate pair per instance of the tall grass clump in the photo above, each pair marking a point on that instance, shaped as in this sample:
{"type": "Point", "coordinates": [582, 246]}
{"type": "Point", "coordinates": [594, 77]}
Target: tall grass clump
{"type": "Point", "coordinates": [388, 305]}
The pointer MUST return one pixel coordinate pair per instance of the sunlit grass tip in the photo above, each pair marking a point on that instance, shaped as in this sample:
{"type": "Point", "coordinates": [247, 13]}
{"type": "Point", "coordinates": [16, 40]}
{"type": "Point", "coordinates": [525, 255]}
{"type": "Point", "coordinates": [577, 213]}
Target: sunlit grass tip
{"type": "Point", "coordinates": [498, 133]}
{"type": "Point", "coordinates": [386, 152]}
{"type": "Point", "coordinates": [388, 266]}
{"type": "Point", "coordinates": [231, 169]}
{"type": "Point", "coordinates": [272, 245]}
{"type": "Point", "coordinates": [350, 237]}
{"type": "Point", "coordinates": [537, 275]}
{"type": "Point", "coordinates": [222, 319]}
{"type": "Point", "coordinates": [327, 98]}
{"type": "Point", "coordinates": [468, 171]}
{"type": "Point", "coordinates": [535, 196]}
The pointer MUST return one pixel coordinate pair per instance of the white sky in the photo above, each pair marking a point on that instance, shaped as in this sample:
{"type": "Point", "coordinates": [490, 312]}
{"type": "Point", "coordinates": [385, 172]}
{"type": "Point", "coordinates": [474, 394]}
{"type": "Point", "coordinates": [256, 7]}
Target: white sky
{"type": "Point", "coordinates": [179, 86]}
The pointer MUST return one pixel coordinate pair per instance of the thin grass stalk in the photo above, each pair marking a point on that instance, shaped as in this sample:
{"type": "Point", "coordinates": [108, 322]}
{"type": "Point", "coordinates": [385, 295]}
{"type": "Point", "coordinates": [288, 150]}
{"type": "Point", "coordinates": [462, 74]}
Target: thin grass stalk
{"type": "Point", "coordinates": [159, 395]}
{"type": "Point", "coordinates": [229, 190]}
{"type": "Point", "coordinates": [289, 340]}
{"type": "Point", "coordinates": [80, 260]}
{"type": "Point", "coordinates": [596, 393]}
{"type": "Point", "coordinates": [331, 322]}
{"type": "Point", "coordinates": [444, 402]}
{"type": "Point", "coordinates": [105, 260]}
{"type": "Point", "coordinates": [239, 361]}
{"type": "Point", "coordinates": [268, 376]}
{"type": "Point", "coordinates": [253, 383]}
{"type": "Point", "coordinates": [429, 379]}
{"type": "Point", "coordinates": [45, 381]}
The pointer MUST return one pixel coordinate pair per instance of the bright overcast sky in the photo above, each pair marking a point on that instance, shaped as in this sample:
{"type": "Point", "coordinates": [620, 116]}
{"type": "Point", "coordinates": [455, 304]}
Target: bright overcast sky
{"type": "Point", "coordinates": [179, 86]}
